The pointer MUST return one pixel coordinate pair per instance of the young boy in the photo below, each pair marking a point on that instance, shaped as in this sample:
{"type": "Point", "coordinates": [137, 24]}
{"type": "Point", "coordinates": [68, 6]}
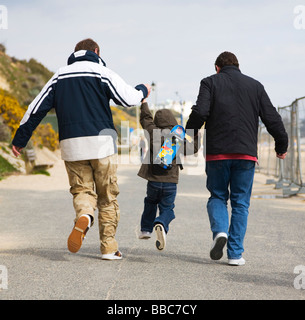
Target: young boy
{"type": "Point", "coordinates": [162, 183]}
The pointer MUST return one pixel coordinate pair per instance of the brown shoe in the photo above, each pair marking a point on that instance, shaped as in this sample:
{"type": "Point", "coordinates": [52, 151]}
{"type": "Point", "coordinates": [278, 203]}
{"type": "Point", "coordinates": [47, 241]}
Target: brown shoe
{"type": "Point", "coordinates": [78, 233]}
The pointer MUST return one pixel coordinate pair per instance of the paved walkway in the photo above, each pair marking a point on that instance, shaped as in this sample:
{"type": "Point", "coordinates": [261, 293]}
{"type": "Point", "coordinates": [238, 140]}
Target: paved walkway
{"type": "Point", "coordinates": [36, 217]}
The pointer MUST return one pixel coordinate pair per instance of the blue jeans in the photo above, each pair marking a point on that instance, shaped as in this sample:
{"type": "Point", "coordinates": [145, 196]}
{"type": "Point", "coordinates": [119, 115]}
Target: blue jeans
{"type": "Point", "coordinates": [162, 195]}
{"type": "Point", "coordinates": [234, 179]}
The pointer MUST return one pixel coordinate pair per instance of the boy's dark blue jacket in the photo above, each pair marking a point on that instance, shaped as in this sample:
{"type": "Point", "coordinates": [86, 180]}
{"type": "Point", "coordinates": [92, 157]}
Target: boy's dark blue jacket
{"type": "Point", "coordinates": [80, 93]}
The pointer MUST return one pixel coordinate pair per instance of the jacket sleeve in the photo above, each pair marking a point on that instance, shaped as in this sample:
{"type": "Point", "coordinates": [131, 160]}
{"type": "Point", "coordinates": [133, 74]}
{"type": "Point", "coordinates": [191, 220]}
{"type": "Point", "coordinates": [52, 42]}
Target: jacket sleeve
{"type": "Point", "coordinates": [146, 119]}
{"type": "Point", "coordinates": [201, 110]}
{"type": "Point", "coordinates": [152, 133]}
{"type": "Point", "coordinates": [122, 93]}
{"type": "Point", "coordinates": [273, 122]}
{"type": "Point", "coordinates": [192, 144]}
{"type": "Point", "coordinates": [36, 111]}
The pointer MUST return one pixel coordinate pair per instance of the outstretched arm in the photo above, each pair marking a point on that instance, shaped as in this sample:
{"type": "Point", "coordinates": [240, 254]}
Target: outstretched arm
{"type": "Point", "coordinates": [122, 93]}
{"type": "Point", "coordinates": [201, 110]}
{"type": "Point", "coordinates": [146, 118]}
{"type": "Point", "coordinates": [36, 111]}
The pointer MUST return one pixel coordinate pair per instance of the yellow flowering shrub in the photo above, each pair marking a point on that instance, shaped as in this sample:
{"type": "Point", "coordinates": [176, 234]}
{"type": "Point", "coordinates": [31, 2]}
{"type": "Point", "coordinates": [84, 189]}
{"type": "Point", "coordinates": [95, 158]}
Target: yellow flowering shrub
{"type": "Point", "coordinates": [120, 115]}
{"type": "Point", "coordinates": [45, 136]}
{"type": "Point", "coordinates": [12, 113]}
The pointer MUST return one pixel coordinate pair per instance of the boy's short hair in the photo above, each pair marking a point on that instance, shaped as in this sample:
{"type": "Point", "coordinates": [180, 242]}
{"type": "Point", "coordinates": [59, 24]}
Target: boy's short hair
{"type": "Point", "coordinates": [226, 59]}
{"type": "Point", "coordinates": [87, 44]}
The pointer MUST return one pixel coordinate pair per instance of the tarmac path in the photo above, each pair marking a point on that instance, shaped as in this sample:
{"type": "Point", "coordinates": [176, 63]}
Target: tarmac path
{"type": "Point", "coordinates": [36, 218]}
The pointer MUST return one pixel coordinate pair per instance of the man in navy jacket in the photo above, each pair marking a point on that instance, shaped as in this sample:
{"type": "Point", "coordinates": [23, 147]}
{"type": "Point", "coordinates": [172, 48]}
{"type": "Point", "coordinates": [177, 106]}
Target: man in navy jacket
{"type": "Point", "coordinates": [80, 93]}
{"type": "Point", "coordinates": [230, 104]}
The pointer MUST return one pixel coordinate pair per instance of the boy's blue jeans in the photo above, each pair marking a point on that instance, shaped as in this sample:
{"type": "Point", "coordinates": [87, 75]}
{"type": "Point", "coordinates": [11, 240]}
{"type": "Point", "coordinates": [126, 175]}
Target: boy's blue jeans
{"type": "Point", "coordinates": [162, 195]}
{"type": "Point", "coordinates": [230, 179]}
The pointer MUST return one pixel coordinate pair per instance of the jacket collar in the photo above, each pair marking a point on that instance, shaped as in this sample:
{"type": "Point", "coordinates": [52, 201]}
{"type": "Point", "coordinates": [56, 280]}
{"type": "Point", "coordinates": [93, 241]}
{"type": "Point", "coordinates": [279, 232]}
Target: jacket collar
{"type": "Point", "coordinates": [229, 68]}
{"type": "Point", "coordinates": [85, 55]}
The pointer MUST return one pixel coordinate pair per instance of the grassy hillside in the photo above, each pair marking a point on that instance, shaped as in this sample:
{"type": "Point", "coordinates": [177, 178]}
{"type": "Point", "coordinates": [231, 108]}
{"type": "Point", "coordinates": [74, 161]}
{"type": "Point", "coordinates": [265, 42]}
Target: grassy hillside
{"type": "Point", "coordinates": [5, 168]}
{"type": "Point", "coordinates": [23, 79]}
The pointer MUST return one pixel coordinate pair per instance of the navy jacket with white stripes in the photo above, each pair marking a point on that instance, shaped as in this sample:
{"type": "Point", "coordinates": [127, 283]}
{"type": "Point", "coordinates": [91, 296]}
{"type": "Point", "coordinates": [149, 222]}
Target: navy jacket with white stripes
{"type": "Point", "coordinates": [80, 93]}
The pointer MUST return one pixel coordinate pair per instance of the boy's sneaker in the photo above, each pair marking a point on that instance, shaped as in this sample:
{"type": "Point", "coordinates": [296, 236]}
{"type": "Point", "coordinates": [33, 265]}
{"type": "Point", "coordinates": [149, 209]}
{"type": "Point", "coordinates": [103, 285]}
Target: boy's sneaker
{"type": "Point", "coordinates": [236, 262]}
{"type": "Point", "coordinates": [161, 236]}
{"type": "Point", "coordinates": [145, 235]}
{"type": "Point", "coordinates": [218, 245]}
{"type": "Point", "coordinates": [112, 256]}
{"type": "Point", "coordinates": [78, 233]}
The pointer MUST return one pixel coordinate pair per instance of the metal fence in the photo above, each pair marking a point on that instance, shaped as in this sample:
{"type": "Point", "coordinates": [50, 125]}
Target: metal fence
{"type": "Point", "coordinates": [289, 174]}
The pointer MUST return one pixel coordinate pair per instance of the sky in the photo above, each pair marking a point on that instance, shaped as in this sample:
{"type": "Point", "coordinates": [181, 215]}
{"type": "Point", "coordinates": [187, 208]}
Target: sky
{"type": "Point", "coordinates": [173, 43]}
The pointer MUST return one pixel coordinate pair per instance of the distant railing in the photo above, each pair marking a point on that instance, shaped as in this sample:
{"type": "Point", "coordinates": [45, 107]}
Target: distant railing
{"type": "Point", "coordinates": [289, 174]}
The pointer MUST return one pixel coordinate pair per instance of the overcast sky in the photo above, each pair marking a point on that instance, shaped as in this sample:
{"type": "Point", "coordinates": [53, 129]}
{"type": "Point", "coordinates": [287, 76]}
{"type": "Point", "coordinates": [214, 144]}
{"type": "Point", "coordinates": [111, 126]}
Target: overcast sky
{"type": "Point", "coordinates": [173, 43]}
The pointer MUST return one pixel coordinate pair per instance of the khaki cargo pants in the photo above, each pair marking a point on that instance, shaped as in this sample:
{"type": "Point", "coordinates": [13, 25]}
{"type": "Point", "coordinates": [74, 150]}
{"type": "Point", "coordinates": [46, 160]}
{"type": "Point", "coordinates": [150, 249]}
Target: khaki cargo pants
{"type": "Point", "coordinates": [94, 185]}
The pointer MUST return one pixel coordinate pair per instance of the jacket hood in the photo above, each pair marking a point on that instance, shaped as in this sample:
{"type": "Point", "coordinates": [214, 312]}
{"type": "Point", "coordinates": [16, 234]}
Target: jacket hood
{"type": "Point", "coordinates": [85, 55]}
{"type": "Point", "coordinates": [165, 119]}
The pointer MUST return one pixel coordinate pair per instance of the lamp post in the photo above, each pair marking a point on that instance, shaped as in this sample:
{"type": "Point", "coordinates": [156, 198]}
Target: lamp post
{"type": "Point", "coordinates": [154, 89]}
{"type": "Point", "coordinates": [137, 118]}
{"type": "Point", "coordinates": [181, 106]}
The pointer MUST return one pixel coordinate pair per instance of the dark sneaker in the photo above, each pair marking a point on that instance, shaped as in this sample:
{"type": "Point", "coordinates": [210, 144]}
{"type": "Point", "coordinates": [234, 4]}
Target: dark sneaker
{"type": "Point", "coordinates": [161, 236]}
{"type": "Point", "coordinates": [218, 245]}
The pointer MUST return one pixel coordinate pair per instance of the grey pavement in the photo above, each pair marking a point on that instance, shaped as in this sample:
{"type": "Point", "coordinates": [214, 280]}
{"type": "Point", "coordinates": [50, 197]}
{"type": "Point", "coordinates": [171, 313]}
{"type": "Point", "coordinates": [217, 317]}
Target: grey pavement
{"type": "Point", "coordinates": [36, 217]}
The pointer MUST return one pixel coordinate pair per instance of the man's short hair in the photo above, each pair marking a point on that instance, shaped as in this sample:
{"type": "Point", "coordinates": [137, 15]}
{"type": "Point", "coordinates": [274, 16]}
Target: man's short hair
{"type": "Point", "coordinates": [226, 59]}
{"type": "Point", "coordinates": [87, 44]}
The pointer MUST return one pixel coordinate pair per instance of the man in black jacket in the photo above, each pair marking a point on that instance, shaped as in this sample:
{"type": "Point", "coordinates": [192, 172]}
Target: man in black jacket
{"type": "Point", "coordinates": [230, 104]}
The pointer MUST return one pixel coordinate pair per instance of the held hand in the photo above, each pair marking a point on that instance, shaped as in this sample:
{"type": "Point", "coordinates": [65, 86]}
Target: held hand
{"type": "Point", "coordinates": [149, 89]}
{"type": "Point", "coordinates": [281, 155]}
{"type": "Point", "coordinates": [16, 151]}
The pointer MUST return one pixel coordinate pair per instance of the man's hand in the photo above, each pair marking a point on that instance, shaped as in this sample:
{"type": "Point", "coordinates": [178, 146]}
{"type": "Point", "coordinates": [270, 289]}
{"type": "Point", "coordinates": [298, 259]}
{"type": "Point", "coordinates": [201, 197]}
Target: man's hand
{"type": "Point", "coordinates": [281, 155]}
{"type": "Point", "coordinates": [16, 151]}
{"type": "Point", "coordinates": [148, 86]}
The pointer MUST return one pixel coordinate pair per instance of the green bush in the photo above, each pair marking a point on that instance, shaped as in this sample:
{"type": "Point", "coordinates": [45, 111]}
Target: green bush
{"type": "Point", "coordinates": [5, 168]}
